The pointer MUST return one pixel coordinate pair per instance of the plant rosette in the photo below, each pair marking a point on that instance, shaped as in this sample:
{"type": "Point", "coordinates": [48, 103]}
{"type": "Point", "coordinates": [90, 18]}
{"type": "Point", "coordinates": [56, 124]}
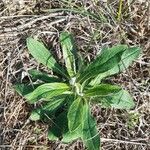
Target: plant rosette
{"type": "Point", "coordinates": [67, 95]}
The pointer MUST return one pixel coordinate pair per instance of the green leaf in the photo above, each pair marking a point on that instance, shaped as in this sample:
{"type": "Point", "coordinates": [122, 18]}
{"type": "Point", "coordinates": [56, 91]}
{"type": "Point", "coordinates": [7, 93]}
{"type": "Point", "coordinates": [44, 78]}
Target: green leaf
{"type": "Point", "coordinates": [59, 127]}
{"type": "Point", "coordinates": [48, 108]}
{"type": "Point", "coordinates": [102, 90]}
{"type": "Point", "coordinates": [71, 136]}
{"type": "Point", "coordinates": [47, 91]}
{"type": "Point", "coordinates": [68, 49]}
{"type": "Point", "coordinates": [91, 136]}
{"type": "Point", "coordinates": [104, 62]}
{"type": "Point", "coordinates": [54, 103]}
{"type": "Point", "coordinates": [80, 63]}
{"type": "Point", "coordinates": [24, 89]}
{"type": "Point", "coordinates": [75, 114]}
{"type": "Point", "coordinates": [38, 75]}
{"type": "Point", "coordinates": [36, 115]}
{"type": "Point", "coordinates": [60, 123]}
{"type": "Point", "coordinates": [127, 58]}
{"type": "Point", "coordinates": [120, 100]}
{"type": "Point", "coordinates": [42, 55]}
{"type": "Point", "coordinates": [59, 130]}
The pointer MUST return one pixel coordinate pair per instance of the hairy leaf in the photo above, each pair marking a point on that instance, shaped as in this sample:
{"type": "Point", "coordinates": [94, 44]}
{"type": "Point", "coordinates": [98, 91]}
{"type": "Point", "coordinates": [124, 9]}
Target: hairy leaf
{"type": "Point", "coordinates": [126, 59]}
{"type": "Point", "coordinates": [59, 127]}
{"type": "Point", "coordinates": [81, 64]}
{"type": "Point", "coordinates": [47, 91]}
{"type": "Point", "coordinates": [91, 136]}
{"type": "Point", "coordinates": [42, 55]}
{"type": "Point", "coordinates": [104, 62]}
{"type": "Point", "coordinates": [60, 130]}
{"type": "Point", "coordinates": [120, 100]}
{"type": "Point", "coordinates": [75, 114]}
{"type": "Point", "coordinates": [48, 108]}
{"type": "Point", "coordinates": [24, 89]}
{"type": "Point", "coordinates": [71, 136]}
{"type": "Point", "coordinates": [102, 90]}
{"type": "Point", "coordinates": [68, 49]}
{"type": "Point", "coordinates": [38, 75]}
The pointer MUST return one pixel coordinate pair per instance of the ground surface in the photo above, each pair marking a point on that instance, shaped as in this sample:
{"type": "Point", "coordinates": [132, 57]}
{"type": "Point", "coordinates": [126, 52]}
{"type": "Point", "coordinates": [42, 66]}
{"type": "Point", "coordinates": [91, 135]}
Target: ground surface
{"type": "Point", "coordinates": [120, 130]}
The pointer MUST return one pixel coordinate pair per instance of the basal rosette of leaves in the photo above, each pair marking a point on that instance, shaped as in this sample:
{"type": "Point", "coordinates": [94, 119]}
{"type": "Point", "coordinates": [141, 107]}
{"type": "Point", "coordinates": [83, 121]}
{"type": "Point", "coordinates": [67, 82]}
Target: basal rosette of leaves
{"type": "Point", "coordinates": [66, 96]}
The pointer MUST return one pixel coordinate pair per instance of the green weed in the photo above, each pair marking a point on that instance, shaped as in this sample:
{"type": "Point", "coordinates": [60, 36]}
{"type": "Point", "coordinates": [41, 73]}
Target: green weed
{"type": "Point", "coordinates": [68, 93]}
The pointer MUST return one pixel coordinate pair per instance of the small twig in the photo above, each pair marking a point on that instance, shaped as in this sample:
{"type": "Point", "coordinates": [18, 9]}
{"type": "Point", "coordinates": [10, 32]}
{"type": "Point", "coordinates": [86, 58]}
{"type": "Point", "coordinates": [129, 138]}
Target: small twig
{"type": "Point", "coordinates": [148, 19]}
{"type": "Point", "coordinates": [120, 10]}
{"type": "Point", "coordinates": [27, 146]}
{"type": "Point", "coordinates": [14, 141]}
{"type": "Point", "coordinates": [102, 140]}
{"type": "Point", "coordinates": [123, 141]}
{"type": "Point", "coordinates": [18, 16]}
{"type": "Point", "coordinates": [29, 24]}
{"type": "Point", "coordinates": [6, 84]}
